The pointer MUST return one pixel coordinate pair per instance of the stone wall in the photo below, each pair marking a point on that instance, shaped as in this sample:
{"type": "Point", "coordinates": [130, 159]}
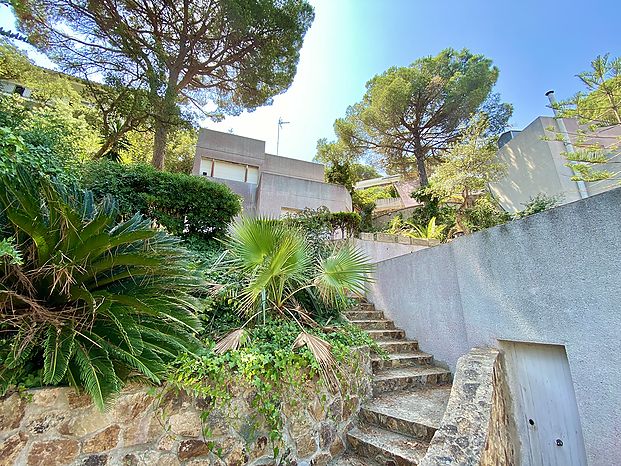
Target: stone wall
{"type": "Point", "coordinates": [148, 427]}
{"type": "Point", "coordinates": [477, 428]}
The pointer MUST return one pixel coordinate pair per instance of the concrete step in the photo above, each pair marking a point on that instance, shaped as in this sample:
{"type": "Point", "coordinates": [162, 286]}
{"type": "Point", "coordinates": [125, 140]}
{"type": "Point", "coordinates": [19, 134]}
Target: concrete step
{"type": "Point", "coordinates": [381, 324]}
{"type": "Point", "coordinates": [364, 315]}
{"type": "Point", "coordinates": [395, 334]}
{"type": "Point", "coordinates": [386, 448]}
{"type": "Point", "coordinates": [398, 346]}
{"type": "Point", "coordinates": [364, 307]}
{"type": "Point", "coordinates": [403, 378]}
{"type": "Point", "coordinates": [351, 459]}
{"type": "Point", "coordinates": [395, 360]}
{"type": "Point", "coordinates": [416, 413]}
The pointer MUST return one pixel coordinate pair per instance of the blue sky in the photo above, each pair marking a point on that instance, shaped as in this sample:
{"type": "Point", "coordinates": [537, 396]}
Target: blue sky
{"type": "Point", "coordinates": [537, 46]}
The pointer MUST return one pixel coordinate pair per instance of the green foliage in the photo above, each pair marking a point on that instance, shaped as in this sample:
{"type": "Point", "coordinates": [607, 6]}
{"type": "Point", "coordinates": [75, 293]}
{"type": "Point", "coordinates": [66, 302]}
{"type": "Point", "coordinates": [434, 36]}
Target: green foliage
{"type": "Point", "coordinates": [469, 164]}
{"type": "Point", "coordinates": [432, 207]}
{"type": "Point", "coordinates": [597, 108]}
{"type": "Point", "coordinates": [9, 253]}
{"type": "Point", "coordinates": [255, 59]}
{"type": "Point", "coordinates": [363, 201]}
{"type": "Point", "coordinates": [538, 203]}
{"type": "Point", "coordinates": [277, 263]}
{"type": "Point", "coordinates": [49, 141]}
{"type": "Point", "coordinates": [409, 114]}
{"type": "Point", "coordinates": [485, 213]}
{"type": "Point", "coordinates": [180, 149]}
{"type": "Point", "coordinates": [183, 204]}
{"type": "Point", "coordinates": [269, 365]}
{"type": "Point", "coordinates": [94, 302]}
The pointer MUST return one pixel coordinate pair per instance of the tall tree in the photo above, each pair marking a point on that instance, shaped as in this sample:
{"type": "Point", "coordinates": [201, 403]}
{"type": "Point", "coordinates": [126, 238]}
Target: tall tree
{"type": "Point", "coordinates": [342, 165]}
{"type": "Point", "coordinates": [235, 54]}
{"type": "Point", "coordinates": [410, 114]}
{"type": "Point", "coordinates": [469, 165]}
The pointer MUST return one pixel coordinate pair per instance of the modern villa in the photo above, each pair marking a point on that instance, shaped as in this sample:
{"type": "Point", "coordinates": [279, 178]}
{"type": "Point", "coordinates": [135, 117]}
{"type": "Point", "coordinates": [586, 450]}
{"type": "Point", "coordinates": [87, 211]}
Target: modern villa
{"type": "Point", "coordinates": [270, 185]}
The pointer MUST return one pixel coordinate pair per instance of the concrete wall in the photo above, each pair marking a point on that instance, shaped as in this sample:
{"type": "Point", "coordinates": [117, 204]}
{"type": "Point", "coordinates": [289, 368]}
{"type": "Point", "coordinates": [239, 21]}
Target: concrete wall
{"type": "Point", "coordinates": [293, 167]}
{"type": "Point", "coordinates": [554, 277]}
{"type": "Point", "coordinates": [378, 251]}
{"type": "Point", "coordinates": [536, 164]}
{"type": "Point", "coordinates": [278, 192]}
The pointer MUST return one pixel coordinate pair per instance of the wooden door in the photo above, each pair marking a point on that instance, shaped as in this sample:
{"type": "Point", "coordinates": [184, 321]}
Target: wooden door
{"type": "Point", "coordinates": [545, 404]}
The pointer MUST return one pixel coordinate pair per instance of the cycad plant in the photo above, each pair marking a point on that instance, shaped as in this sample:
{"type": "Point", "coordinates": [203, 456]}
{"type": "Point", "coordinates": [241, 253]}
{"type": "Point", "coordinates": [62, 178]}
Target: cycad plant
{"type": "Point", "coordinates": [91, 301]}
{"type": "Point", "coordinates": [279, 266]}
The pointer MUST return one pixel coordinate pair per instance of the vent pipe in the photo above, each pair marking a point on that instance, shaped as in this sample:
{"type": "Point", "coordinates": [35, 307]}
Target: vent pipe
{"type": "Point", "coordinates": [566, 141]}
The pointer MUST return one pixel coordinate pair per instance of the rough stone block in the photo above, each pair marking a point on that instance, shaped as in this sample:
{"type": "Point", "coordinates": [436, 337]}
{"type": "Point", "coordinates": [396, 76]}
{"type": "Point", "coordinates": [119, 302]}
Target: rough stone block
{"type": "Point", "coordinates": [53, 452]}
{"type": "Point", "coordinates": [401, 239]}
{"type": "Point", "coordinates": [105, 440]}
{"type": "Point", "coordinates": [367, 236]}
{"type": "Point", "coordinates": [11, 448]}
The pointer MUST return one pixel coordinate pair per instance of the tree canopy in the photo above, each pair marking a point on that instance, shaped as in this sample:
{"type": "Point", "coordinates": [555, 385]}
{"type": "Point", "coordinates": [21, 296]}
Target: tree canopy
{"type": "Point", "coordinates": [233, 54]}
{"type": "Point", "coordinates": [411, 114]}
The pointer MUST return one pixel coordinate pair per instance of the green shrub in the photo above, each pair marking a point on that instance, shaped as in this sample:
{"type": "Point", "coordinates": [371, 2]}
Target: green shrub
{"type": "Point", "coordinates": [267, 363]}
{"type": "Point", "coordinates": [90, 302]}
{"type": "Point", "coordinates": [538, 203]}
{"type": "Point", "coordinates": [184, 204]}
{"type": "Point", "coordinates": [485, 213]}
{"type": "Point", "coordinates": [43, 140]}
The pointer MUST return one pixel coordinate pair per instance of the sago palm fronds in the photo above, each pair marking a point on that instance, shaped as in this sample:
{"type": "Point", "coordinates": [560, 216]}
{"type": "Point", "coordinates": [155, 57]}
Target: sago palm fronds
{"type": "Point", "coordinates": [105, 301]}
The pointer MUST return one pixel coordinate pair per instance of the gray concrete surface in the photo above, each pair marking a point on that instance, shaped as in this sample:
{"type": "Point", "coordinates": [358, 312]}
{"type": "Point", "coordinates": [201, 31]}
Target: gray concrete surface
{"type": "Point", "coordinates": [554, 277]}
{"type": "Point", "coordinates": [378, 251]}
{"type": "Point", "coordinates": [284, 184]}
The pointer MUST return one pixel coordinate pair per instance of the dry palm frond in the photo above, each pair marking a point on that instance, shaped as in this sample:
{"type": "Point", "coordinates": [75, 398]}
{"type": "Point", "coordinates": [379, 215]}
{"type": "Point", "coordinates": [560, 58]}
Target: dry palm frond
{"type": "Point", "coordinates": [320, 350]}
{"type": "Point", "coordinates": [231, 342]}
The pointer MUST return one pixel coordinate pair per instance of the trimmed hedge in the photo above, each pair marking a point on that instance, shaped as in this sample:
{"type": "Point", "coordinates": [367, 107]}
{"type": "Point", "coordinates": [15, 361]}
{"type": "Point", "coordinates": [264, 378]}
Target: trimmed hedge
{"type": "Point", "coordinates": [185, 205]}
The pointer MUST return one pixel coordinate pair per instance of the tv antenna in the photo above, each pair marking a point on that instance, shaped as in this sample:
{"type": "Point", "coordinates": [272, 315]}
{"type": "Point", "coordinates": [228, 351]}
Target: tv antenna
{"type": "Point", "coordinates": [281, 123]}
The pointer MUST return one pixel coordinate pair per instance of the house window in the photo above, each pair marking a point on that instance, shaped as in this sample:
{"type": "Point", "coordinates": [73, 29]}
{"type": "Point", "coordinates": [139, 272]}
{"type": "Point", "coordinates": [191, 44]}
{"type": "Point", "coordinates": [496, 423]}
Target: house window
{"type": "Point", "coordinates": [19, 90]}
{"type": "Point", "coordinates": [230, 171]}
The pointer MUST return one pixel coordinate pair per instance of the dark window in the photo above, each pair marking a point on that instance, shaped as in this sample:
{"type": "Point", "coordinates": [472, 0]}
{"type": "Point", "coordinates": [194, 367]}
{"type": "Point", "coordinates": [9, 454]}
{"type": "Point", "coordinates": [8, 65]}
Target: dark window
{"type": "Point", "coordinates": [19, 90]}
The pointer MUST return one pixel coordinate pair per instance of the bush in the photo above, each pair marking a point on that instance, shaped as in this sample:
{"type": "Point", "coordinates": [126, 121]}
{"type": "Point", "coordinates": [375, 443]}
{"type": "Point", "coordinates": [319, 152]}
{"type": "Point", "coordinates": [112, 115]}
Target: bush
{"type": "Point", "coordinates": [538, 203]}
{"type": "Point", "coordinates": [88, 301]}
{"type": "Point", "coordinates": [485, 213]}
{"type": "Point", "coordinates": [183, 204]}
{"type": "Point", "coordinates": [43, 140]}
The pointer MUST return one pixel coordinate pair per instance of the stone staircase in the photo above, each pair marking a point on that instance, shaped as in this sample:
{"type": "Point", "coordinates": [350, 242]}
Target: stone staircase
{"type": "Point", "coordinates": [409, 398]}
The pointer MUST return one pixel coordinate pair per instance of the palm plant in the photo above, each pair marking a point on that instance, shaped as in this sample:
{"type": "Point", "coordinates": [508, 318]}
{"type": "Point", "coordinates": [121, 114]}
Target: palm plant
{"type": "Point", "coordinates": [279, 265]}
{"type": "Point", "coordinates": [93, 301]}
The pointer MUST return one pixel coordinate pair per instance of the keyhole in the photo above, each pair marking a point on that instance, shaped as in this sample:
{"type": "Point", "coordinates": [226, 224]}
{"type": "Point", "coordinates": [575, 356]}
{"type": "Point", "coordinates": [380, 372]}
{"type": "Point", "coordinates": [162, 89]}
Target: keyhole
{"type": "Point", "coordinates": [559, 442]}
{"type": "Point", "coordinates": [531, 422]}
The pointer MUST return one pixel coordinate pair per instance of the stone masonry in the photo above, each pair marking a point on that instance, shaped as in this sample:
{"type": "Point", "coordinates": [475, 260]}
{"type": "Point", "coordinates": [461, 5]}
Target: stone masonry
{"type": "Point", "coordinates": [149, 427]}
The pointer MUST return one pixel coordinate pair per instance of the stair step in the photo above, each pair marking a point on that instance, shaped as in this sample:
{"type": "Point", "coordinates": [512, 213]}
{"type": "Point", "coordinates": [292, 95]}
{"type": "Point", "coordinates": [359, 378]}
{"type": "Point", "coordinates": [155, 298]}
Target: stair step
{"type": "Point", "coordinates": [402, 378]}
{"type": "Point", "coordinates": [368, 324]}
{"type": "Point", "coordinates": [398, 346]}
{"type": "Point", "coordinates": [364, 307]}
{"type": "Point", "coordinates": [364, 315]}
{"type": "Point", "coordinates": [386, 448]}
{"type": "Point", "coordinates": [408, 359]}
{"type": "Point", "coordinates": [351, 459]}
{"type": "Point", "coordinates": [416, 412]}
{"type": "Point", "coordinates": [395, 334]}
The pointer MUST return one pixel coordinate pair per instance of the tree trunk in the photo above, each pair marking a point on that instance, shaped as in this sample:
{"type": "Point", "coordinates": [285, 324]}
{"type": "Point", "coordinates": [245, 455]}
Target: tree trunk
{"type": "Point", "coordinates": [422, 170]}
{"type": "Point", "coordinates": [159, 144]}
{"type": "Point", "coordinates": [163, 121]}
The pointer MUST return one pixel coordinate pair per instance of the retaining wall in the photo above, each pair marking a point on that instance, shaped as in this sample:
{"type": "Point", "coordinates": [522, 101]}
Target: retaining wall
{"type": "Point", "coordinates": [148, 427]}
{"type": "Point", "coordinates": [553, 277]}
